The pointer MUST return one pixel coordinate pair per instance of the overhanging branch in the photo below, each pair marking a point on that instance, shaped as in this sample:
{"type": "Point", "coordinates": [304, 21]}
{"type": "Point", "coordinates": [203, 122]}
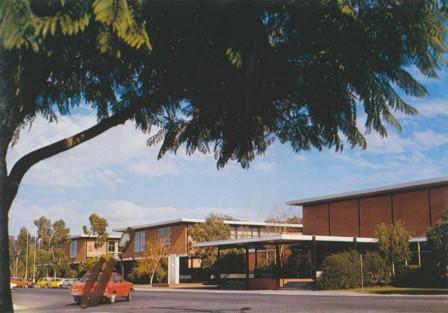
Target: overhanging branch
{"type": "Point", "coordinates": [27, 161]}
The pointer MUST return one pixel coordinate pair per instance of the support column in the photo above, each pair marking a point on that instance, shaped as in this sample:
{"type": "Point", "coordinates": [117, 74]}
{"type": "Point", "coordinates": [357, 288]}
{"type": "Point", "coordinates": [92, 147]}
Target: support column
{"type": "Point", "coordinates": [314, 261]}
{"type": "Point", "coordinates": [256, 261]}
{"type": "Point", "coordinates": [247, 268]}
{"type": "Point", "coordinates": [218, 267]}
{"type": "Point", "coordinates": [277, 264]}
{"type": "Point", "coordinates": [419, 256]}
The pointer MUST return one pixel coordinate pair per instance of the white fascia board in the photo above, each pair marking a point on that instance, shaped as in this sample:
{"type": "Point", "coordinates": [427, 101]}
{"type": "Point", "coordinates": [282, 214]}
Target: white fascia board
{"type": "Point", "coordinates": [201, 220]}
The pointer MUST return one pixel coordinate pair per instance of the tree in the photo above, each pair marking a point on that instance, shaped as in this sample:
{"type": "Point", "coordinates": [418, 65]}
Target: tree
{"type": "Point", "coordinates": [230, 77]}
{"type": "Point", "coordinates": [150, 264]}
{"type": "Point", "coordinates": [438, 244]}
{"type": "Point", "coordinates": [44, 231]}
{"type": "Point", "coordinates": [393, 243]}
{"type": "Point", "coordinates": [280, 216]}
{"type": "Point", "coordinates": [60, 243]}
{"type": "Point", "coordinates": [98, 228]}
{"type": "Point", "coordinates": [213, 229]}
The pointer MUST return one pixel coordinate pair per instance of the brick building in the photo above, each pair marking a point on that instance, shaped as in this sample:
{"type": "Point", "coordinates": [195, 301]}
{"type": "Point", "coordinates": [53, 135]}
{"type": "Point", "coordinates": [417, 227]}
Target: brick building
{"type": "Point", "coordinates": [417, 204]}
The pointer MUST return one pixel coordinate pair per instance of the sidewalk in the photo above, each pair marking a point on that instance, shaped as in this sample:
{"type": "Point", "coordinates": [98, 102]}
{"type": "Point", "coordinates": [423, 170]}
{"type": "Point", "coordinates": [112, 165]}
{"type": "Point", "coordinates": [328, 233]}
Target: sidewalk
{"type": "Point", "coordinates": [301, 292]}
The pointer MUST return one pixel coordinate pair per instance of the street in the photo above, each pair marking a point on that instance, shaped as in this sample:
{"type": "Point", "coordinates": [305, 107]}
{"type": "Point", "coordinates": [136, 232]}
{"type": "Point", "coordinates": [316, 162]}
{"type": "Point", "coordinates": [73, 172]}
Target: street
{"type": "Point", "coordinates": [167, 301]}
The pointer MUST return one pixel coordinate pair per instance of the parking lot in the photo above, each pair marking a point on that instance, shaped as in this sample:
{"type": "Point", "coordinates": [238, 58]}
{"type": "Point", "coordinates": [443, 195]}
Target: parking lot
{"type": "Point", "coordinates": [59, 300]}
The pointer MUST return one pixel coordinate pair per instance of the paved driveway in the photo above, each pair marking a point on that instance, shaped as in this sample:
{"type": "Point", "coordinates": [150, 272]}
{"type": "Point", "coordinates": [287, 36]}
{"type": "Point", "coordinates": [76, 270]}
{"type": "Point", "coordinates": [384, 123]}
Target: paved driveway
{"type": "Point", "coordinates": [168, 301]}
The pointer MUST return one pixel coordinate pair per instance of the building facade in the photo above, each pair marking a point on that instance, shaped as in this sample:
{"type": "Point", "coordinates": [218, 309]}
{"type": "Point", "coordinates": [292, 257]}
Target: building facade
{"type": "Point", "coordinates": [82, 247]}
{"type": "Point", "coordinates": [418, 205]}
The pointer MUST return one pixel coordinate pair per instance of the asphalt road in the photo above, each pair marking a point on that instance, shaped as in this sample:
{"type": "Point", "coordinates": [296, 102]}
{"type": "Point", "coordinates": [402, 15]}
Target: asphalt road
{"type": "Point", "coordinates": [54, 300]}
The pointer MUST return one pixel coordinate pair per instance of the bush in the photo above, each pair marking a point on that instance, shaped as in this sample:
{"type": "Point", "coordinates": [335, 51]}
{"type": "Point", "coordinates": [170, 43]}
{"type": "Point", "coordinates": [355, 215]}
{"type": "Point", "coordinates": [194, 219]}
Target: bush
{"type": "Point", "coordinates": [375, 269]}
{"type": "Point", "coordinates": [340, 271]}
{"type": "Point", "coordinates": [343, 270]}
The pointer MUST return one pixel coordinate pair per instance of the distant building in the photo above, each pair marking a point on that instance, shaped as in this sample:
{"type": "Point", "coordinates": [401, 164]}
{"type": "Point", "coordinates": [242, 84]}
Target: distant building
{"type": "Point", "coordinates": [83, 247]}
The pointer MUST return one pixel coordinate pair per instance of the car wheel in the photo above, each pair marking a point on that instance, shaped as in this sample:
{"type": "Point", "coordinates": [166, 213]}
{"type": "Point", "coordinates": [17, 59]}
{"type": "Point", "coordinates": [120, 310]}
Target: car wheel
{"type": "Point", "coordinates": [77, 300]}
{"type": "Point", "coordinates": [112, 298]}
{"type": "Point", "coordinates": [129, 297]}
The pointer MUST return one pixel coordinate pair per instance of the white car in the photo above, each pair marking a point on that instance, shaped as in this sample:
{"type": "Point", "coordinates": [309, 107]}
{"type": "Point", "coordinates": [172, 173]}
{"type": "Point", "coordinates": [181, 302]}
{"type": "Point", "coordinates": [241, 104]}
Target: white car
{"type": "Point", "coordinates": [12, 285]}
{"type": "Point", "coordinates": [68, 282]}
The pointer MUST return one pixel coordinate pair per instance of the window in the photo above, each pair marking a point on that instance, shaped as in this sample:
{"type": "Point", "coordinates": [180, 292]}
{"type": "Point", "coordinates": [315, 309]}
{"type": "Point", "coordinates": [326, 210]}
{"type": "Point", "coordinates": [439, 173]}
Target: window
{"type": "Point", "coordinates": [165, 235]}
{"type": "Point", "coordinates": [233, 232]}
{"type": "Point", "coordinates": [111, 246]}
{"type": "Point", "coordinates": [73, 248]}
{"type": "Point", "coordinates": [139, 241]}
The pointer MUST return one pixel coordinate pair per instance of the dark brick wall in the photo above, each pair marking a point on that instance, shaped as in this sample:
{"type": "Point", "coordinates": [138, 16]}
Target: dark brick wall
{"type": "Point", "coordinates": [417, 209]}
{"type": "Point", "coordinates": [315, 220]}
{"type": "Point", "coordinates": [344, 218]}
{"type": "Point", "coordinates": [374, 211]}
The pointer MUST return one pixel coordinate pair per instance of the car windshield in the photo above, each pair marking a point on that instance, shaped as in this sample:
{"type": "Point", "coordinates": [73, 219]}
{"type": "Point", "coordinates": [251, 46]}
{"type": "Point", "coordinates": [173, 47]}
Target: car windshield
{"type": "Point", "coordinates": [86, 277]}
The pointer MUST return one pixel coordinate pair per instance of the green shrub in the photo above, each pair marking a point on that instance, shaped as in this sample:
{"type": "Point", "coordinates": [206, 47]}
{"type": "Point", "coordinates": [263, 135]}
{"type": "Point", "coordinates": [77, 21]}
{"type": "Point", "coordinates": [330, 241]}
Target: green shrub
{"type": "Point", "coordinates": [343, 270]}
{"type": "Point", "coordinates": [340, 271]}
{"type": "Point", "coordinates": [375, 269]}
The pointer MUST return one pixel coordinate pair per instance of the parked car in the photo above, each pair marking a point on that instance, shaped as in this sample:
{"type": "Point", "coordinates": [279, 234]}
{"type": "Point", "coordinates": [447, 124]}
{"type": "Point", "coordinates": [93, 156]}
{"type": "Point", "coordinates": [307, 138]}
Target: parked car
{"type": "Point", "coordinates": [22, 282]}
{"type": "Point", "coordinates": [12, 285]}
{"type": "Point", "coordinates": [69, 282]}
{"type": "Point", "coordinates": [43, 282]}
{"type": "Point", "coordinates": [56, 282]}
{"type": "Point", "coordinates": [115, 288]}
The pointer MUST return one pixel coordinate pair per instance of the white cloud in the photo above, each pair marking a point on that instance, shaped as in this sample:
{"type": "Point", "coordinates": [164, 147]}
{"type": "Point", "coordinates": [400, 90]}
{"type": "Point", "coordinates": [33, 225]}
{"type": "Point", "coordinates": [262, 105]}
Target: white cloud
{"type": "Point", "coordinates": [300, 158]}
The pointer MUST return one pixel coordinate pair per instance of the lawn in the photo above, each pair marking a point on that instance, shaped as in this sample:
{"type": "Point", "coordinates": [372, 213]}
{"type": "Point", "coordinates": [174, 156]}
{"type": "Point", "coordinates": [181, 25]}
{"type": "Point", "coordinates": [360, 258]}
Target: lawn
{"type": "Point", "coordinates": [390, 290]}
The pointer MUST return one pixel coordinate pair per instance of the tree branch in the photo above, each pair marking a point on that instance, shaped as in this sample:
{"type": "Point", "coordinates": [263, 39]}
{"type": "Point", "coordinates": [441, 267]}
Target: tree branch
{"type": "Point", "coordinates": [27, 161]}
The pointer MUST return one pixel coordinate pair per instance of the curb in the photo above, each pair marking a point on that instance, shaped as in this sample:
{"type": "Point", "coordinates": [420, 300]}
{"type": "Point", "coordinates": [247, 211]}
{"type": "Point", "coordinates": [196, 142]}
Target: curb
{"type": "Point", "coordinates": [287, 292]}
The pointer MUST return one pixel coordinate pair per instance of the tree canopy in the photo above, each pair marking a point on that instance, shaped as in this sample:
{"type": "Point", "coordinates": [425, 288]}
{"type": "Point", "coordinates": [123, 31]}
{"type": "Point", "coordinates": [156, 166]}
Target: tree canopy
{"type": "Point", "coordinates": [438, 244]}
{"type": "Point", "coordinates": [223, 77]}
{"type": "Point", "coordinates": [98, 228]}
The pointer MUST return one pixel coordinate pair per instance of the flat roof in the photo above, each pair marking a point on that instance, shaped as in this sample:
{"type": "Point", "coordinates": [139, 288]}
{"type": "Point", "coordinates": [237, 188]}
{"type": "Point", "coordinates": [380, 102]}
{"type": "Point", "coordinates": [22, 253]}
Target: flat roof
{"type": "Point", "coordinates": [79, 236]}
{"type": "Point", "coordinates": [202, 220]}
{"type": "Point", "coordinates": [372, 191]}
{"type": "Point", "coordinates": [279, 239]}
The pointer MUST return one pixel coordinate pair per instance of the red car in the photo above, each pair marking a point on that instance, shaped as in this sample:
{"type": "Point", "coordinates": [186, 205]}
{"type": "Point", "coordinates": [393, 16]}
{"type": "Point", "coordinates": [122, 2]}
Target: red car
{"type": "Point", "coordinates": [22, 283]}
{"type": "Point", "coordinates": [114, 289]}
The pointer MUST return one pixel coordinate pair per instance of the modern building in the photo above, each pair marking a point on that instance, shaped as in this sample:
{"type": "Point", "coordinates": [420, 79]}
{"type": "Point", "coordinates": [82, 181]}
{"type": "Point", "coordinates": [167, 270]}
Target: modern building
{"type": "Point", "coordinates": [347, 220]}
{"type": "Point", "coordinates": [83, 247]}
{"type": "Point", "coordinates": [178, 241]}
{"type": "Point", "coordinates": [417, 204]}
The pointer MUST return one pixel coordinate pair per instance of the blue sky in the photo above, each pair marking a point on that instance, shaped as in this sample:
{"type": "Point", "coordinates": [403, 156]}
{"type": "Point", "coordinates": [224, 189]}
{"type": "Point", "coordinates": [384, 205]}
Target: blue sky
{"type": "Point", "coordinates": [119, 177]}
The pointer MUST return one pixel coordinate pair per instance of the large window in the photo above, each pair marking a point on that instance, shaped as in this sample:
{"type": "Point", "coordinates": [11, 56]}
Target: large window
{"type": "Point", "coordinates": [139, 241]}
{"type": "Point", "coordinates": [233, 232]}
{"type": "Point", "coordinates": [111, 246]}
{"type": "Point", "coordinates": [73, 248]}
{"type": "Point", "coordinates": [165, 235]}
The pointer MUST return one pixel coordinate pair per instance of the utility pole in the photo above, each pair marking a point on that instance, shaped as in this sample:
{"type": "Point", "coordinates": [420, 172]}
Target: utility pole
{"type": "Point", "coordinates": [26, 255]}
{"type": "Point", "coordinates": [34, 259]}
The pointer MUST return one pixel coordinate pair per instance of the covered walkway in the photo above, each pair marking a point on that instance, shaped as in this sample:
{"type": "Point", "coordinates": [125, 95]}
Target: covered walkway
{"type": "Point", "coordinates": [317, 248]}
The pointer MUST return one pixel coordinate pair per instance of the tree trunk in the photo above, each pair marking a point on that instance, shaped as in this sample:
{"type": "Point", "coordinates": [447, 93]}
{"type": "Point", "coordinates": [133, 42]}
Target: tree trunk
{"type": "Point", "coordinates": [5, 203]}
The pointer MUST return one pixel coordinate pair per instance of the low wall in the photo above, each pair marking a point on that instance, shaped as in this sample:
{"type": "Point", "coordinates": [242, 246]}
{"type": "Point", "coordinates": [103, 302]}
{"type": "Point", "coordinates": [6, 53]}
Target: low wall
{"type": "Point", "coordinates": [262, 283]}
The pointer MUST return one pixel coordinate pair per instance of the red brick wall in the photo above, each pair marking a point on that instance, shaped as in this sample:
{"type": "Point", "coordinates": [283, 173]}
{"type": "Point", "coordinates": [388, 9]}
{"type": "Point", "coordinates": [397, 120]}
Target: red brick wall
{"type": "Point", "coordinates": [374, 211]}
{"type": "Point", "coordinates": [412, 208]}
{"type": "Point", "coordinates": [178, 241]}
{"type": "Point", "coordinates": [439, 202]}
{"type": "Point", "coordinates": [418, 209]}
{"type": "Point", "coordinates": [315, 220]}
{"type": "Point", "coordinates": [344, 218]}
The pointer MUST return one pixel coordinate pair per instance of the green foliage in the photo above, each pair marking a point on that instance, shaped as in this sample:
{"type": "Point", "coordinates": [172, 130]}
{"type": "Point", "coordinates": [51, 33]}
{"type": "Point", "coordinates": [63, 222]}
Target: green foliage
{"type": "Point", "coordinates": [26, 24]}
{"type": "Point", "coordinates": [412, 276]}
{"type": "Point", "coordinates": [375, 269]}
{"type": "Point", "coordinates": [213, 229]}
{"type": "Point", "coordinates": [438, 244]}
{"type": "Point", "coordinates": [343, 270]}
{"type": "Point", "coordinates": [44, 231]}
{"type": "Point", "coordinates": [98, 228]}
{"type": "Point", "coordinates": [340, 271]}
{"type": "Point", "coordinates": [393, 243]}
